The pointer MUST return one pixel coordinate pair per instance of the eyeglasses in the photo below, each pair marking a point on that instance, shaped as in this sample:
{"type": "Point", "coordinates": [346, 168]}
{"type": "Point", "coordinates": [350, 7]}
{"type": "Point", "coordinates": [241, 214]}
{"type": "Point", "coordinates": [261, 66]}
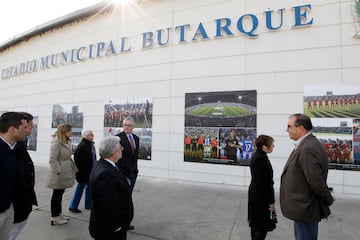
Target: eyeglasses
{"type": "Point", "coordinates": [128, 125]}
{"type": "Point", "coordinates": [290, 126]}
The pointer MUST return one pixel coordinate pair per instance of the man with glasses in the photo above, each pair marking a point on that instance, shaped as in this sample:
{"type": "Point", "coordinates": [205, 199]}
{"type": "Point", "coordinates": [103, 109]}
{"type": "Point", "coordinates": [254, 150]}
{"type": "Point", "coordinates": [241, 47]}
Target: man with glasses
{"type": "Point", "coordinates": [304, 195]}
{"type": "Point", "coordinates": [128, 162]}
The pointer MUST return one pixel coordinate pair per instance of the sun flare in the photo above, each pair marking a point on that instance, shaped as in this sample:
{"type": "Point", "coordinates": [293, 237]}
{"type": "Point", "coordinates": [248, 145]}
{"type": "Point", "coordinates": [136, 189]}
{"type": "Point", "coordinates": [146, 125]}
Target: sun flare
{"type": "Point", "coordinates": [123, 2]}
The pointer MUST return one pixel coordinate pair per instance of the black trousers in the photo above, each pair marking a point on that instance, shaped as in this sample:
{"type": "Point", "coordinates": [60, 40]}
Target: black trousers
{"type": "Point", "coordinates": [56, 200]}
{"type": "Point", "coordinates": [119, 235]}
{"type": "Point", "coordinates": [258, 234]}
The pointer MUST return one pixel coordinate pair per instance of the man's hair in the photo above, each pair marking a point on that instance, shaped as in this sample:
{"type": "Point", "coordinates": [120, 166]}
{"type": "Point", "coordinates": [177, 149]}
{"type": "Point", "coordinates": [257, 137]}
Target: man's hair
{"type": "Point", "coordinates": [11, 119]}
{"type": "Point", "coordinates": [108, 145]}
{"type": "Point", "coordinates": [28, 116]}
{"type": "Point", "coordinates": [129, 118]}
{"type": "Point", "coordinates": [302, 120]}
{"type": "Point", "coordinates": [85, 133]}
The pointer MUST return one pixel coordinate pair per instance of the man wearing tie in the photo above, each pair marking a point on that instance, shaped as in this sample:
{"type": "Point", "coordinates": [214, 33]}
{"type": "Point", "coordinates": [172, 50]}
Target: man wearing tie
{"type": "Point", "coordinates": [128, 162]}
{"type": "Point", "coordinates": [130, 143]}
{"type": "Point", "coordinates": [112, 207]}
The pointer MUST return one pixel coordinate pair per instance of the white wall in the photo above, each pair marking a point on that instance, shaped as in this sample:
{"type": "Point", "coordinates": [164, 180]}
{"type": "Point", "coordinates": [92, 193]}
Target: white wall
{"type": "Point", "coordinates": [276, 64]}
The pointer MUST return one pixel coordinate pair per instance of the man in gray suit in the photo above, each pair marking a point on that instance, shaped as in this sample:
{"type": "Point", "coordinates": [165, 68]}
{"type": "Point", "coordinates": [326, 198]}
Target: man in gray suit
{"type": "Point", "coordinates": [304, 195]}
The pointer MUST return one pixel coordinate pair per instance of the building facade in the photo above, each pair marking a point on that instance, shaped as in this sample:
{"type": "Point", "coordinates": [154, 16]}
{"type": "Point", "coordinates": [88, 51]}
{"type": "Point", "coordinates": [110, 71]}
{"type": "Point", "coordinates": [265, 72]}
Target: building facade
{"type": "Point", "coordinates": [161, 60]}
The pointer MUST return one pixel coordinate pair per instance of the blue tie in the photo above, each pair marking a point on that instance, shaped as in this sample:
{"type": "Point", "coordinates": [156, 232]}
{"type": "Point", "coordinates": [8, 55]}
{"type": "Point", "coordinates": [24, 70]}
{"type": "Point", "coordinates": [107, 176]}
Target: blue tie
{"type": "Point", "coordinates": [117, 168]}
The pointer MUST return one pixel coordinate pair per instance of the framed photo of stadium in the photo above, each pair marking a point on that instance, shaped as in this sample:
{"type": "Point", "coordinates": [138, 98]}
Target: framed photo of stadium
{"type": "Point", "coordinates": [335, 113]}
{"type": "Point", "coordinates": [220, 127]}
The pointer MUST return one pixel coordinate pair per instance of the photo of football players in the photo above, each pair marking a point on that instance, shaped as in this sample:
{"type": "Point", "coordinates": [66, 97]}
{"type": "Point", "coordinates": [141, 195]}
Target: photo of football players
{"type": "Point", "coordinates": [220, 127]}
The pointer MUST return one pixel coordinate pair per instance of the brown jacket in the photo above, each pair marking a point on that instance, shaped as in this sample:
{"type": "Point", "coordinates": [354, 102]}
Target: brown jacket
{"type": "Point", "coordinates": [304, 194]}
{"type": "Point", "coordinates": [62, 168]}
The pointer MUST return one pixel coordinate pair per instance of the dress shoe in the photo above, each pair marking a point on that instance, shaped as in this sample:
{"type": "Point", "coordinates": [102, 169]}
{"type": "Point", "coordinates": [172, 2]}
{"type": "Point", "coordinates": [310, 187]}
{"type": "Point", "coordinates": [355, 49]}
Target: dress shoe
{"type": "Point", "coordinates": [63, 217]}
{"type": "Point", "coordinates": [75, 210]}
{"type": "Point", "coordinates": [131, 227]}
{"type": "Point", "coordinates": [58, 221]}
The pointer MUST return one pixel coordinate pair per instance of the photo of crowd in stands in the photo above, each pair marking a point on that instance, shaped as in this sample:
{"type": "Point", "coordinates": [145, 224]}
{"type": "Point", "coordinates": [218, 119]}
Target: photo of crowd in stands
{"type": "Point", "coordinates": [141, 110]}
{"type": "Point", "coordinates": [335, 112]}
{"type": "Point", "coordinates": [71, 114]}
{"type": "Point", "coordinates": [220, 127]}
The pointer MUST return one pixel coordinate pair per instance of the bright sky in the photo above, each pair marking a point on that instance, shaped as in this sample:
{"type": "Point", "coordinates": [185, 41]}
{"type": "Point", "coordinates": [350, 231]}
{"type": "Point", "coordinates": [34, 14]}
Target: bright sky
{"type": "Point", "coordinates": [18, 16]}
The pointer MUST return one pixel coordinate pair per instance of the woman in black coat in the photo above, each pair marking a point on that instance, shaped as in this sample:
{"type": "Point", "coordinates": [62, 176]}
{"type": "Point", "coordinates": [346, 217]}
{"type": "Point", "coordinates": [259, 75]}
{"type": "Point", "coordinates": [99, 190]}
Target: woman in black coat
{"type": "Point", "coordinates": [261, 190]}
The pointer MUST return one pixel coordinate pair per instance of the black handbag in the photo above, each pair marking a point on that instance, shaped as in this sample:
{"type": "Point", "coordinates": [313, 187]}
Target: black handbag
{"type": "Point", "coordinates": [272, 221]}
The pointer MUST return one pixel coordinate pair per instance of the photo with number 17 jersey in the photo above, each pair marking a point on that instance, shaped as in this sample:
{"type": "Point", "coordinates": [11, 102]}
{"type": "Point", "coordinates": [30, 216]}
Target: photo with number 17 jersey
{"type": "Point", "coordinates": [247, 149]}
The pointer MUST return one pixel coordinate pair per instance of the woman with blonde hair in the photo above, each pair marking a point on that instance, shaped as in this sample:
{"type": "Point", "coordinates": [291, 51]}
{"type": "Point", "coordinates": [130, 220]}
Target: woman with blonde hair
{"type": "Point", "coordinates": [61, 172]}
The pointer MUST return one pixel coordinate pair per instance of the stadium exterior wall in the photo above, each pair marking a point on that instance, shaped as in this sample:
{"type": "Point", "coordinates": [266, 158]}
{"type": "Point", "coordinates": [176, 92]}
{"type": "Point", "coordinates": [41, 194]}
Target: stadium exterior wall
{"type": "Point", "coordinates": [276, 63]}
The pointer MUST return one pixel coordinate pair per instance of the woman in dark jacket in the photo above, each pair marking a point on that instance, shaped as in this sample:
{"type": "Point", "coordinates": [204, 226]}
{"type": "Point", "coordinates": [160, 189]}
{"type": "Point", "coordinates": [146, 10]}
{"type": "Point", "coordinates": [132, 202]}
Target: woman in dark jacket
{"type": "Point", "coordinates": [261, 191]}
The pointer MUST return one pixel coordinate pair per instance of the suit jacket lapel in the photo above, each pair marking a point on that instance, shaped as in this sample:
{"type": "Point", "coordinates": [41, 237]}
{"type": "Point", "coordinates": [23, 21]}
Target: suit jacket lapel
{"type": "Point", "coordinates": [109, 165]}
{"type": "Point", "coordinates": [291, 157]}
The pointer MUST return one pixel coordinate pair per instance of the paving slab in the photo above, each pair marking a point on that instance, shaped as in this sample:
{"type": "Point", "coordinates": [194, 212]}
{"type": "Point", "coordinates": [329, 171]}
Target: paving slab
{"type": "Point", "coordinates": [181, 210]}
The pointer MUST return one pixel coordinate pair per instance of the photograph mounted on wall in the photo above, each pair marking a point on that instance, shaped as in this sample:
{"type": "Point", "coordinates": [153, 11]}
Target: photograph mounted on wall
{"type": "Point", "coordinates": [72, 114]}
{"type": "Point", "coordinates": [141, 110]}
{"type": "Point", "coordinates": [220, 127]}
{"type": "Point", "coordinates": [31, 141]}
{"type": "Point", "coordinates": [334, 111]}
{"type": "Point", "coordinates": [67, 113]}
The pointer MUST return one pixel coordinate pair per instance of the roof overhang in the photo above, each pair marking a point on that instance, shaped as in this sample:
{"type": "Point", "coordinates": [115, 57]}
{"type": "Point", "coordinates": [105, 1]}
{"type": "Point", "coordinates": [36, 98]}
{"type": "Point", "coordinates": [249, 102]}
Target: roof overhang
{"type": "Point", "coordinates": [58, 22]}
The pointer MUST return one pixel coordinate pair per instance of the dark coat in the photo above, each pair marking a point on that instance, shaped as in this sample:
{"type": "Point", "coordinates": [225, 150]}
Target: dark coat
{"type": "Point", "coordinates": [25, 193]}
{"type": "Point", "coordinates": [128, 163]}
{"type": "Point", "coordinates": [261, 192]}
{"type": "Point", "coordinates": [112, 205]}
{"type": "Point", "coordinates": [8, 174]}
{"type": "Point", "coordinates": [304, 194]}
{"type": "Point", "coordinates": [83, 160]}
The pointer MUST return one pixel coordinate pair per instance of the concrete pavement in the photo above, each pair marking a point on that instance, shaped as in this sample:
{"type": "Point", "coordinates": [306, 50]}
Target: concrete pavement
{"type": "Point", "coordinates": [178, 210]}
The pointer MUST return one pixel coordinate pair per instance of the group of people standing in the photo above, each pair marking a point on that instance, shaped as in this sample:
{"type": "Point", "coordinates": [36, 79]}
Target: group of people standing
{"type": "Point", "coordinates": [108, 183]}
{"type": "Point", "coordinates": [304, 195]}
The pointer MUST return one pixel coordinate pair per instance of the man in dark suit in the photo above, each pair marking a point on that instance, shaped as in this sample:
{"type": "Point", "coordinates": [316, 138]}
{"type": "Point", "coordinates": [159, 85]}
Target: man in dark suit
{"type": "Point", "coordinates": [112, 206]}
{"type": "Point", "coordinates": [304, 195]}
{"type": "Point", "coordinates": [26, 196]}
{"type": "Point", "coordinates": [130, 142]}
{"type": "Point", "coordinates": [84, 157]}
{"type": "Point", "coordinates": [17, 192]}
{"type": "Point", "coordinates": [128, 162]}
